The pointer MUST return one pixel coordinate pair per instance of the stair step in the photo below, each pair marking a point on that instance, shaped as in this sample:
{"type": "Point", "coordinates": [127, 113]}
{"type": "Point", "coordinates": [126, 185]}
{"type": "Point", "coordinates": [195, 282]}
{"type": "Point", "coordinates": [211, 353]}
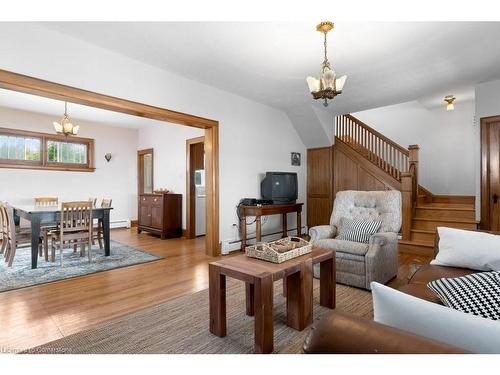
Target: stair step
{"type": "Point", "coordinates": [425, 236]}
{"type": "Point", "coordinates": [447, 206]}
{"type": "Point", "coordinates": [441, 213]}
{"type": "Point", "coordinates": [432, 224]}
{"type": "Point", "coordinates": [416, 247]}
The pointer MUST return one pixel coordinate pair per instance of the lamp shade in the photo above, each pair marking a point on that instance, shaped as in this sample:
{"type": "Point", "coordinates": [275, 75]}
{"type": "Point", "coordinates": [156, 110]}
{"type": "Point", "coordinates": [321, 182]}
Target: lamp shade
{"type": "Point", "coordinates": [328, 79]}
{"type": "Point", "coordinates": [313, 84]}
{"type": "Point", "coordinates": [57, 127]}
{"type": "Point", "coordinates": [340, 82]}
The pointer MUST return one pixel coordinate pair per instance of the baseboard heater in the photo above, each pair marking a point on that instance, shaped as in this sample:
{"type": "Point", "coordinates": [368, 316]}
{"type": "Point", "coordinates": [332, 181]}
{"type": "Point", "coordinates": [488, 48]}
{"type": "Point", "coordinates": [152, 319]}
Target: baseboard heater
{"type": "Point", "coordinates": [228, 246]}
{"type": "Point", "coordinates": [124, 223]}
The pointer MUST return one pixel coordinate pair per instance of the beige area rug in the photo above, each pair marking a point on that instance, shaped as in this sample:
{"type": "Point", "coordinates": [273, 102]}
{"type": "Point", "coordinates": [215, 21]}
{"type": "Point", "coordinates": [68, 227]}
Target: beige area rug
{"type": "Point", "coordinates": [181, 326]}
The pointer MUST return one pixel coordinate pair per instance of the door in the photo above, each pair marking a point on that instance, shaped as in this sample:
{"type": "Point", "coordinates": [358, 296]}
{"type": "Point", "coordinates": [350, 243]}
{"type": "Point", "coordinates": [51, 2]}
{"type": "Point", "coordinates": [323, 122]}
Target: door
{"type": "Point", "coordinates": [157, 217]}
{"type": "Point", "coordinates": [195, 187]}
{"type": "Point", "coordinates": [490, 173]}
{"type": "Point", "coordinates": [145, 215]}
{"type": "Point", "coordinates": [145, 166]}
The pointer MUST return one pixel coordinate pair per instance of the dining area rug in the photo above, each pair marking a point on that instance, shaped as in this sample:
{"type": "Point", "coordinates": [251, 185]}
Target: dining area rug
{"type": "Point", "coordinates": [21, 275]}
{"type": "Point", "coordinates": [180, 326]}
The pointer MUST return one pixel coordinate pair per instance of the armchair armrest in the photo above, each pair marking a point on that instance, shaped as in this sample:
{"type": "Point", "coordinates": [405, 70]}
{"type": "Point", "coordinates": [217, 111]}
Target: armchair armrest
{"type": "Point", "coordinates": [344, 333]}
{"type": "Point", "coordinates": [322, 231]}
{"type": "Point", "coordinates": [383, 238]}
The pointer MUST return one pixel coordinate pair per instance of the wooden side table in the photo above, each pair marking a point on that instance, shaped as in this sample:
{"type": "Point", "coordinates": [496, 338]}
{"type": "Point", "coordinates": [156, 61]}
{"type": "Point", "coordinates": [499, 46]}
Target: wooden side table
{"type": "Point", "coordinates": [266, 210]}
{"type": "Point", "coordinates": [259, 277]}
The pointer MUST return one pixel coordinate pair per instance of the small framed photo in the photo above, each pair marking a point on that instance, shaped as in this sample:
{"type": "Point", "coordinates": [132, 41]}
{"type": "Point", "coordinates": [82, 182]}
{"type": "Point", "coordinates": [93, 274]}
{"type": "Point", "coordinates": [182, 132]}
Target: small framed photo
{"type": "Point", "coordinates": [296, 158]}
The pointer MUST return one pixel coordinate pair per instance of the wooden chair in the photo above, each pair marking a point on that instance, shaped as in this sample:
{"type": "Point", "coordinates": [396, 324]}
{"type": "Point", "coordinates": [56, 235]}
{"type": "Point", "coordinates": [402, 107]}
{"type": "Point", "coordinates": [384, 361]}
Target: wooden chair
{"type": "Point", "coordinates": [44, 245]}
{"type": "Point", "coordinates": [75, 226]}
{"type": "Point", "coordinates": [13, 237]}
{"type": "Point", "coordinates": [46, 201]}
{"type": "Point", "coordinates": [94, 201]}
{"type": "Point", "coordinates": [4, 228]}
{"type": "Point", "coordinates": [99, 232]}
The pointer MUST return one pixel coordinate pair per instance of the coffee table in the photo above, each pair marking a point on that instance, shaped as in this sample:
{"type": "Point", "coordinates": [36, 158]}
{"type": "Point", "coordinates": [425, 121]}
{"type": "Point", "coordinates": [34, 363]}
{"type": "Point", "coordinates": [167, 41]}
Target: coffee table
{"type": "Point", "coordinates": [259, 277]}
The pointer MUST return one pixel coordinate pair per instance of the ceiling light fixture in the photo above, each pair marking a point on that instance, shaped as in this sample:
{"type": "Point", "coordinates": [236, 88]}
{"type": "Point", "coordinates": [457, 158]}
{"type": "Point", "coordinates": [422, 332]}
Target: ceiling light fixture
{"type": "Point", "coordinates": [449, 99]}
{"type": "Point", "coordinates": [328, 86]}
{"type": "Point", "coordinates": [65, 127]}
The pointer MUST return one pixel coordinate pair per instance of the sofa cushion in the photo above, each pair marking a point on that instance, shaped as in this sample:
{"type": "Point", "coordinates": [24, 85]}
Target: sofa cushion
{"type": "Point", "coordinates": [440, 323]}
{"type": "Point", "coordinates": [342, 246]}
{"type": "Point", "coordinates": [478, 293]}
{"type": "Point", "coordinates": [358, 230]}
{"type": "Point", "coordinates": [468, 249]}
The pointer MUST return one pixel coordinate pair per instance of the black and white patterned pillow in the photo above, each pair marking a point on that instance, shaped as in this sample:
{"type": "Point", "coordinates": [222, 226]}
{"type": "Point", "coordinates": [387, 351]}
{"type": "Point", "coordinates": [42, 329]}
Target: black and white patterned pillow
{"type": "Point", "coordinates": [477, 293]}
{"type": "Point", "coordinates": [358, 230]}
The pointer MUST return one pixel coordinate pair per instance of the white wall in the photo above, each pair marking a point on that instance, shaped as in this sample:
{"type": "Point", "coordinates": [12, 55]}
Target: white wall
{"type": "Point", "coordinates": [487, 104]}
{"type": "Point", "coordinates": [446, 140]}
{"type": "Point", "coordinates": [116, 180]}
{"type": "Point", "coordinates": [254, 138]}
{"type": "Point", "coordinates": [169, 144]}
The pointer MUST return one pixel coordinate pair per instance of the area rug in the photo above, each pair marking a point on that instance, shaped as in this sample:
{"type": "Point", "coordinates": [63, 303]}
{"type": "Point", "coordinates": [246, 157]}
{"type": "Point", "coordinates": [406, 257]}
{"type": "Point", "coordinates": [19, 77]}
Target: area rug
{"type": "Point", "coordinates": [21, 275]}
{"type": "Point", "coordinates": [180, 326]}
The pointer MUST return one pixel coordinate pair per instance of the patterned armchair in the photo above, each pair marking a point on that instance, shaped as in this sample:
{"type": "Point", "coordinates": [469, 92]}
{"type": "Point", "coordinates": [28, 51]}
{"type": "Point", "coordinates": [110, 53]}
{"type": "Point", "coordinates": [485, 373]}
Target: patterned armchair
{"type": "Point", "coordinates": [358, 264]}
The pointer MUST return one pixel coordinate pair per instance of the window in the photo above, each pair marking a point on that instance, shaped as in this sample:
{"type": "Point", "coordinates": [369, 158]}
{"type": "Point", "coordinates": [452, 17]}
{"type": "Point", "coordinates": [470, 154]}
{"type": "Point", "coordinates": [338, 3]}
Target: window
{"type": "Point", "coordinates": [24, 149]}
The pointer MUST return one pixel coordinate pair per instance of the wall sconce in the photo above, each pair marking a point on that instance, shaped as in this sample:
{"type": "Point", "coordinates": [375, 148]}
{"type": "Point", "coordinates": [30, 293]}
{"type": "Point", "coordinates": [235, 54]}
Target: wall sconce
{"type": "Point", "coordinates": [108, 157]}
{"type": "Point", "coordinates": [449, 99]}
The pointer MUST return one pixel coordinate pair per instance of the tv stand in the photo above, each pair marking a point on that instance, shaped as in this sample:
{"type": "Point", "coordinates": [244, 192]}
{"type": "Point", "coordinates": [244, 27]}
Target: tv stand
{"type": "Point", "coordinates": [266, 210]}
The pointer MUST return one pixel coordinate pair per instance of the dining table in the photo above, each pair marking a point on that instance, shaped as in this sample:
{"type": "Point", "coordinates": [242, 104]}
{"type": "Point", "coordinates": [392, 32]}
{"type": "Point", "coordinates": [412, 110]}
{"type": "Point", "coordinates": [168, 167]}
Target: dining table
{"type": "Point", "coordinates": [40, 215]}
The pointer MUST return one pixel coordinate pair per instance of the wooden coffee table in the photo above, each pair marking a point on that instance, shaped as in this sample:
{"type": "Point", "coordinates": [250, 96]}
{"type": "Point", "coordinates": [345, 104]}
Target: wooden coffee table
{"type": "Point", "coordinates": [259, 277]}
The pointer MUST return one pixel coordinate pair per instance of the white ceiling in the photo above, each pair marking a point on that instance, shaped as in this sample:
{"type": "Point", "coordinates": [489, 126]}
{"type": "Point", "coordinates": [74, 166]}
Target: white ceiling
{"type": "Point", "coordinates": [386, 63]}
{"type": "Point", "coordinates": [47, 106]}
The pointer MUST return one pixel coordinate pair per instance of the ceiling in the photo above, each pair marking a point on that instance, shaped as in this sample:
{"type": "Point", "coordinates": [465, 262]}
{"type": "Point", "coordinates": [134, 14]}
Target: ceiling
{"type": "Point", "coordinates": [386, 63]}
{"type": "Point", "coordinates": [47, 106]}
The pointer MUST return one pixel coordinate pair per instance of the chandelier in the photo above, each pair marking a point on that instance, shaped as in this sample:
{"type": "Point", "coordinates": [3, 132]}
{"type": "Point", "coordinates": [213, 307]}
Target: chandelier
{"type": "Point", "coordinates": [449, 99]}
{"type": "Point", "coordinates": [328, 86]}
{"type": "Point", "coordinates": [65, 127]}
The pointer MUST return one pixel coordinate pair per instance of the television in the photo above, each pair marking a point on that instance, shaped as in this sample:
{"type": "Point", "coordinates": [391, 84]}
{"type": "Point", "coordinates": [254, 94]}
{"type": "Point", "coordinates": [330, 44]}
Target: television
{"type": "Point", "coordinates": [280, 187]}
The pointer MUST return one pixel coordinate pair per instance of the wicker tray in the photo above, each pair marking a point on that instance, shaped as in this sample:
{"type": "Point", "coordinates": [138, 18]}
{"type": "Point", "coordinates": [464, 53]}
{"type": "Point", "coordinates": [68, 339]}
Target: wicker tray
{"type": "Point", "coordinates": [279, 251]}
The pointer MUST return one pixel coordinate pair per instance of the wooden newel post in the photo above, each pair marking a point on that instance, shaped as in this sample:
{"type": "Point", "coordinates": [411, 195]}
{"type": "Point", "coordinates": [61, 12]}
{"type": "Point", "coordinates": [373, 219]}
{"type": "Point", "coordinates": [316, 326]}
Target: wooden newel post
{"type": "Point", "coordinates": [406, 182]}
{"type": "Point", "coordinates": [413, 158]}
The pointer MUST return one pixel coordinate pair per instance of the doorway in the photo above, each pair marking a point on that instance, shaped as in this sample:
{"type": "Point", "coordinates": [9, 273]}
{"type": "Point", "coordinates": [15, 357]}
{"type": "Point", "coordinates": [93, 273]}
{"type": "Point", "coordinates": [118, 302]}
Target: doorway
{"type": "Point", "coordinates": [145, 170]}
{"type": "Point", "coordinates": [195, 187]}
{"type": "Point", "coordinates": [490, 173]}
{"type": "Point", "coordinates": [36, 86]}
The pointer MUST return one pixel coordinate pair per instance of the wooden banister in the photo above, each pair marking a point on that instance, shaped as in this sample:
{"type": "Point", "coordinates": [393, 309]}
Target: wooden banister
{"type": "Point", "coordinates": [386, 154]}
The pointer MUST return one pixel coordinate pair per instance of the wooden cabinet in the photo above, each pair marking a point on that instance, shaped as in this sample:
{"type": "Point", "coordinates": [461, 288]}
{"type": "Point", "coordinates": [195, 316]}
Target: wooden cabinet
{"type": "Point", "coordinates": [161, 214]}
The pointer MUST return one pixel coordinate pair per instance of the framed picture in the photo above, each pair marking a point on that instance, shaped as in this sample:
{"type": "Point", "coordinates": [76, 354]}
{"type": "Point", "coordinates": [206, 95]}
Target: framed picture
{"type": "Point", "coordinates": [296, 158]}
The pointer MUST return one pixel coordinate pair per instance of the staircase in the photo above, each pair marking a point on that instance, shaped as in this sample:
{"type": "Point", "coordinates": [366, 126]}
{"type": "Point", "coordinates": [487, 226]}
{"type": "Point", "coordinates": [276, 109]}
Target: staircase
{"type": "Point", "coordinates": [423, 211]}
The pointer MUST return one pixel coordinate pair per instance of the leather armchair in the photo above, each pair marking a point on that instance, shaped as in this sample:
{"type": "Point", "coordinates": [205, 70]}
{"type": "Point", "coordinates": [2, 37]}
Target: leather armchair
{"type": "Point", "coordinates": [359, 264]}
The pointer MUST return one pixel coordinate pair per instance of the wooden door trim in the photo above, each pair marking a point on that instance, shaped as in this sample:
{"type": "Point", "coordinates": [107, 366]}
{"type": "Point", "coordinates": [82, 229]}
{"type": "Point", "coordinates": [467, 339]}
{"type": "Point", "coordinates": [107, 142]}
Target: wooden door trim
{"type": "Point", "coordinates": [190, 191]}
{"type": "Point", "coordinates": [140, 176]}
{"type": "Point", "coordinates": [36, 86]}
{"type": "Point", "coordinates": [485, 171]}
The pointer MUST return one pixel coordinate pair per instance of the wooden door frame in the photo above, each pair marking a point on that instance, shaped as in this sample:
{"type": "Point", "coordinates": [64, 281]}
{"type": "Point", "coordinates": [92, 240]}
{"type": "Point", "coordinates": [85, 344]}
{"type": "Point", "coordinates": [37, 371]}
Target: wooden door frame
{"type": "Point", "coordinates": [190, 190]}
{"type": "Point", "coordinates": [485, 171]}
{"type": "Point", "coordinates": [35, 86]}
{"type": "Point", "coordinates": [140, 177]}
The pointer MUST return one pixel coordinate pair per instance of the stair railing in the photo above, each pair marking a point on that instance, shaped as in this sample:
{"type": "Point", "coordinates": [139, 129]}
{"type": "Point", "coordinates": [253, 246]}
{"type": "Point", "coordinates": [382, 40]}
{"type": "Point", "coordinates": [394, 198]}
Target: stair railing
{"type": "Point", "coordinates": [374, 146]}
{"type": "Point", "coordinates": [397, 161]}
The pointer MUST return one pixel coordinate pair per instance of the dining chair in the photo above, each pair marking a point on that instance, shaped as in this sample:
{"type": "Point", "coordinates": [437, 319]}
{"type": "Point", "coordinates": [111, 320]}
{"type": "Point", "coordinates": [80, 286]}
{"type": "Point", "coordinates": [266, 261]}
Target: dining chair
{"type": "Point", "coordinates": [13, 237]}
{"type": "Point", "coordinates": [93, 200]}
{"type": "Point", "coordinates": [99, 231]}
{"type": "Point", "coordinates": [75, 226]}
{"type": "Point", "coordinates": [44, 229]}
{"type": "Point", "coordinates": [3, 228]}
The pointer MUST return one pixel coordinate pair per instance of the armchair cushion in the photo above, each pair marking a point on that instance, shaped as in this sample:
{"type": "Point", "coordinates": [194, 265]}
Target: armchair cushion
{"type": "Point", "coordinates": [341, 246]}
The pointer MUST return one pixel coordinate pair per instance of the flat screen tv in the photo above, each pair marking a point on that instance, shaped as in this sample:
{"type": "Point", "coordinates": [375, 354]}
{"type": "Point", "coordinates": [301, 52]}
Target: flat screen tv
{"type": "Point", "coordinates": [280, 187]}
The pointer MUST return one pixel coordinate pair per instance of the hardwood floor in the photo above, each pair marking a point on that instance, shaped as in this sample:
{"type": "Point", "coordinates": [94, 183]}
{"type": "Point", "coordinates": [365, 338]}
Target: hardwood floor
{"type": "Point", "coordinates": [39, 314]}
